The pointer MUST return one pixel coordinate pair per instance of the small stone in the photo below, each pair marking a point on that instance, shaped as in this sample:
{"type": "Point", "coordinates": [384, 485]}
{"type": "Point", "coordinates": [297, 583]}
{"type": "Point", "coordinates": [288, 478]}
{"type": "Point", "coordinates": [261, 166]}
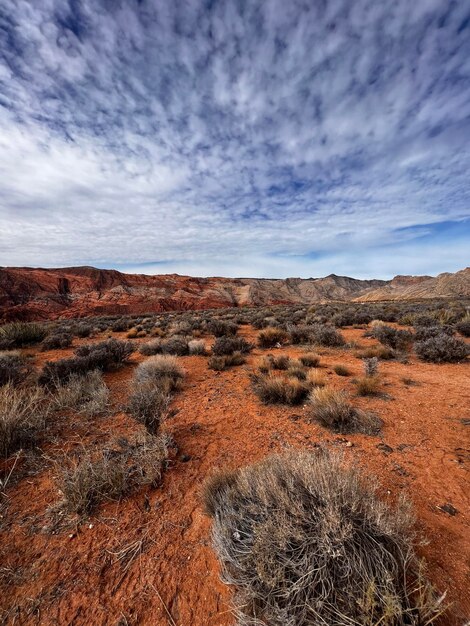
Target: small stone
{"type": "Point", "coordinates": [184, 458]}
{"type": "Point", "coordinates": [448, 508]}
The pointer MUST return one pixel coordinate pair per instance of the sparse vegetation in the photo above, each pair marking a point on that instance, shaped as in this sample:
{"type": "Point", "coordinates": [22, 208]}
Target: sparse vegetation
{"type": "Point", "coordinates": [368, 385]}
{"type": "Point", "coordinates": [89, 480]}
{"type": "Point", "coordinates": [394, 338]}
{"type": "Point", "coordinates": [57, 341]}
{"type": "Point", "coordinates": [14, 368]}
{"type": "Point", "coordinates": [275, 389]}
{"type": "Point", "coordinates": [20, 334]}
{"type": "Point", "coordinates": [271, 337]}
{"type": "Point", "coordinates": [228, 345]}
{"type": "Point", "coordinates": [221, 363]}
{"type": "Point", "coordinates": [305, 540]}
{"type": "Point", "coordinates": [341, 370]}
{"type": "Point", "coordinates": [86, 394]}
{"type": "Point", "coordinates": [197, 347]}
{"type": "Point", "coordinates": [332, 409]}
{"type": "Point", "coordinates": [105, 356]}
{"type": "Point", "coordinates": [161, 367]}
{"type": "Point", "coordinates": [23, 411]}
{"type": "Point", "coordinates": [220, 328]}
{"type": "Point", "coordinates": [310, 359]}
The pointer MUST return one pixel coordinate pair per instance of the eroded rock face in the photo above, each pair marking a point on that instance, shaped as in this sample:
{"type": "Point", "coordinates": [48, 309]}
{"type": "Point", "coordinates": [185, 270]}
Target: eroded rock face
{"type": "Point", "coordinates": [32, 293]}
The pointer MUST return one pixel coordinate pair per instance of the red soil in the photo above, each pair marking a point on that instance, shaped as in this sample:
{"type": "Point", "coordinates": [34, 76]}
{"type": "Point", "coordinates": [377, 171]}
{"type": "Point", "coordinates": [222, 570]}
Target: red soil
{"type": "Point", "coordinates": [51, 575]}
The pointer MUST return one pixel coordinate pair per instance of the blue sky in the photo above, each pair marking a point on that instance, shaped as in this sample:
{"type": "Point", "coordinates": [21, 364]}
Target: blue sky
{"type": "Point", "coordinates": [237, 138]}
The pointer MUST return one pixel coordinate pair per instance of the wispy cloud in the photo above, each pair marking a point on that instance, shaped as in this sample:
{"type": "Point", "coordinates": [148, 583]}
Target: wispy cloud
{"type": "Point", "coordinates": [235, 137]}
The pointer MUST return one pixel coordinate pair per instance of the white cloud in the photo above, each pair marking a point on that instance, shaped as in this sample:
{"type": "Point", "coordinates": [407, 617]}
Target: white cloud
{"type": "Point", "coordinates": [140, 132]}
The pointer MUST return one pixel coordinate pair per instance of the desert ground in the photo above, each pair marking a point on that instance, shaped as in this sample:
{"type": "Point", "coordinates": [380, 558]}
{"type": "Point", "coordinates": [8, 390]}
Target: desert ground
{"type": "Point", "coordinates": [146, 557]}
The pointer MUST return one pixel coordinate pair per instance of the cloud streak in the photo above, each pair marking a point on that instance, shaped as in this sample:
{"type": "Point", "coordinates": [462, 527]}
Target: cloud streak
{"type": "Point", "coordinates": [235, 135]}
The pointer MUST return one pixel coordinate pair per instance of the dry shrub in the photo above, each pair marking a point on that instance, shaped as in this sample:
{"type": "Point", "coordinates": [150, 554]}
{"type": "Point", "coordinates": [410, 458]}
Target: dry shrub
{"type": "Point", "coordinates": [89, 480]}
{"type": "Point", "coordinates": [310, 359]}
{"type": "Point", "coordinates": [379, 352]}
{"type": "Point", "coordinates": [368, 385]}
{"type": "Point", "coordinates": [341, 370]}
{"type": "Point", "coordinates": [328, 336]}
{"type": "Point", "coordinates": [331, 409]}
{"type": "Point", "coordinates": [270, 362]}
{"type": "Point", "coordinates": [315, 378]}
{"type": "Point", "coordinates": [228, 345]}
{"type": "Point", "coordinates": [14, 368]}
{"type": "Point", "coordinates": [271, 337]}
{"type": "Point", "coordinates": [442, 349]}
{"type": "Point", "coordinates": [23, 413]}
{"type": "Point", "coordinates": [176, 346]}
{"type": "Point", "coordinates": [221, 363]}
{"type": "Point", "coordinates": [297, 370]}
{"type": "Point", "coordinates": [392, 337]}
{"type": "Point", "coordinates": [87, 394]}
{"type": "Point", "coordinates": [463, 327]}
{"type": "Point", "coordinates": [19, 334]}
{"type": "Point", "coordinates": [148, 403]}
{"type": "Point", "coordinates": [221, 328]}
{"type": "Point", "coordinates": [105, 355]}
{"type": "Point", "coordinates": [197, 347]}
{"type": "Point", "coordinates": [57, 341]}
{"type": "Point", "coordinates": [305, 540]}
{"type": "Point", "coordinates": [160, 367]}
{"type": "Point", "coordinates": [273, 389]}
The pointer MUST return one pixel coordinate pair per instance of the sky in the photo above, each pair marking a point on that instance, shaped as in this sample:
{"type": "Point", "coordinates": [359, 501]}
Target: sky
{"type": "Point", "coordinates": [236, 138]}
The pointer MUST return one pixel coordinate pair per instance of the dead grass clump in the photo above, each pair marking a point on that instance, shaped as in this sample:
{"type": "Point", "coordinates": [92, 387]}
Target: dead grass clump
{"type": "Point", "coordinates": [368, 386]}
{"type": "Point", "coordinates": [274, 389]}
{"type": "Point", "coordinates": [221, 328]}
{"type": "Point", "coordinates": [271, 362]}
{"type": "Point", "coordinates": [221, 363]}
{"type": "Point", "coordinates": [305, 540]}
{"type": "Point", "coordinates": [160, 367]}
{"type": "Point", "coordinates": [176, 346]}
{"type": "Point", "coordinates": [341, 370]}
{"type": "Point", "coordinates": [148, 404]}
{"type": "Point", "coordinates": [197, 347]}
{"type": "Point", "coordinates": [271, 337]}
{"type": "Point", "coordinates": [379, 352]}
{"type": "Point", "coordinates": [310, 359]}
{"type": "Point", "coordinates": [87, 394]}
{"type": "Point", "coordinates": [23, 413]}
{"type": "Point", "coordinates": [89, 480]}
{"type": "Point", "coordinates": [331, 409]}
{"type": "Point", "coordinates": [316, 378]}
{"type": "Point", "coordinates": [297, 370]}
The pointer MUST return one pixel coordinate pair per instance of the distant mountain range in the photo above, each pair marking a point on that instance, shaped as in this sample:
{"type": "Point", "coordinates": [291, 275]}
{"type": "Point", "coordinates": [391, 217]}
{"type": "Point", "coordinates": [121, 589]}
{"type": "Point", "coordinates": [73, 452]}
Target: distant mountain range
{"type": "Point", "coordinates": [34, 293]}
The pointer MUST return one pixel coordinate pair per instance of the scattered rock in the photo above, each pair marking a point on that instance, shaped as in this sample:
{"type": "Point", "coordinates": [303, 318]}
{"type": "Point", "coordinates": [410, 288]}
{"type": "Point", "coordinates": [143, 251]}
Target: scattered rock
{"type": "Point", "coordinates": [383, 447]}
{"type": "Point", "coordinates": [448, 508]}
{"type": "Point", "coordinates": [184, 458]}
